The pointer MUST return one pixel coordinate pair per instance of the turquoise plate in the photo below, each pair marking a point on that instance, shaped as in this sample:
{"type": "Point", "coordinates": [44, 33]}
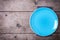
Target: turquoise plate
{"type": "Point", "coordinates": [43, 21]}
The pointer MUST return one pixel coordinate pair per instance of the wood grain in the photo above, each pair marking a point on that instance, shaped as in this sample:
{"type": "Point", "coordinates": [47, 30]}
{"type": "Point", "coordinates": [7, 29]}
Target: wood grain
{"type": "Point", "coordinates": [55, 4]}
{"type": "Point", "coordinates": [16, 5]}
{"type": "Point", "coordinates": [14, 19]}
{"type": "Point", "coordinates": [27, 5]}
{"type": "Point", "coordinates": [9, 24]}
{"type": "Point", "coordinates": [28, 37]}
{"type": "Point", "coordinates": [17, 22]}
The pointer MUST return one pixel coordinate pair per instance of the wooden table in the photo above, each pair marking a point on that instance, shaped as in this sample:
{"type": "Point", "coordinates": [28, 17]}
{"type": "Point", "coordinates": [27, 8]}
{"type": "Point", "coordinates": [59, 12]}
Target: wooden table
{"type": "Point", "coordinates": [14, 19]}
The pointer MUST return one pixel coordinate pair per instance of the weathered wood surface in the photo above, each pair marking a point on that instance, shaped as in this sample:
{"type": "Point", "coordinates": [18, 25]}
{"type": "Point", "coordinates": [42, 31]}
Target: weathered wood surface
{"type": "Point", "coordinates": [14, 19]}
{"type": "Point", "coordinates": [27, 5]}
{"type": "Point", "coordinates": [55, 4]}
{"type": "Point", "coordinates": [27, 37]}
{"type": "Point", "coordinates": [16, 5]}
{"type": "Point", "coordinates": [17, 22]}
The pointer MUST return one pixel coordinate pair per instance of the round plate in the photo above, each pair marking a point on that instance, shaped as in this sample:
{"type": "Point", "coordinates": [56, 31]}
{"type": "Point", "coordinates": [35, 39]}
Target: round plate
{"type": "Point", "coordinates": [43, 21]}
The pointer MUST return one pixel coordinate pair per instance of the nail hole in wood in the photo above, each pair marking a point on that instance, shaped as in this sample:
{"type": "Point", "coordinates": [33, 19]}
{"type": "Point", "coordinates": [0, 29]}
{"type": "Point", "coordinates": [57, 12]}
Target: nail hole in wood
{"type": "Point", "coordinates": [35, 3]}
{"type": "Point", "coordinates": [26, 39]}
{"type": "Point", "coordinates": [5, 14]}
{"type": "Point", "coordinates": [15, 36]}
{"type": "Point", "coordinates": [18, 25]}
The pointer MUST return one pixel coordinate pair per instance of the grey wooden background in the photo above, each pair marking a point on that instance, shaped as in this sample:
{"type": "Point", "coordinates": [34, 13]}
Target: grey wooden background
{"type": "Point", "coordinates": [14, 19]}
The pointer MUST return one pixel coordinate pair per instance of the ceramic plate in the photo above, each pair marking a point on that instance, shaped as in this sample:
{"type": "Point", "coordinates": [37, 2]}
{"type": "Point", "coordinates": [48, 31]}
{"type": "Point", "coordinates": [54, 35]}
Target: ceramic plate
{"type": "Point", "coordinates": [43, 21]}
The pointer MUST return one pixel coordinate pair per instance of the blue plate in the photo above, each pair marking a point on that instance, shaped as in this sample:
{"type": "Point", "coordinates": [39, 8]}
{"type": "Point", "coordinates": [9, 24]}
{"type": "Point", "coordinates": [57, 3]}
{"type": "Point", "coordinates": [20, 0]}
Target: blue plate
{"type": "Point", "coordinates": [43, 21]}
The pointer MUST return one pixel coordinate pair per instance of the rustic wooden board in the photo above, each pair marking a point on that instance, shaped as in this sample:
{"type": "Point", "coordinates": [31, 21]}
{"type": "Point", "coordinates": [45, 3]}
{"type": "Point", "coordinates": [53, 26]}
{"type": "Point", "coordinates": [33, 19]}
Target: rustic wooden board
{"type": "Point", "coordinates": [16, 5]}
{"type": "Point", "coordinates": [55, 4]}
{"type": "Point", "coordinates": [28, 37]}
{"type": "Point", "coordinates": [17, 22]}
{"type": "Point", "coordinates": [14, 19]}
{"type": "Point", "coordinates": [27, 5]}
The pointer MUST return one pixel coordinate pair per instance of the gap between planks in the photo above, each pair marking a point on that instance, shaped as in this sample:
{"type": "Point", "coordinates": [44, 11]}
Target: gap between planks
{"type": "Point", "coordinates": [26, 33]}
{"type": "Point", "coordinates": [21, 11]}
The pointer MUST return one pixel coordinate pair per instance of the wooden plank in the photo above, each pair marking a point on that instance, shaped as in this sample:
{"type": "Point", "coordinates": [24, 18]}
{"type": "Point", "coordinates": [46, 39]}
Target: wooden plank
{"type": "Point", "coordinates": [17, 22]}
{"type": "Point", "coordinates": [16, 5]}
{"type": "Point", "coordinates": [28, 37]}
{"type": "Point", "coordinates": [55, 4]}
{"type": "Point", "coordinates": [27, 5]}
{"type": "Point", "coordinates": [35, 37]}
{"type": "Point", "coordinates": [12, 37]}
